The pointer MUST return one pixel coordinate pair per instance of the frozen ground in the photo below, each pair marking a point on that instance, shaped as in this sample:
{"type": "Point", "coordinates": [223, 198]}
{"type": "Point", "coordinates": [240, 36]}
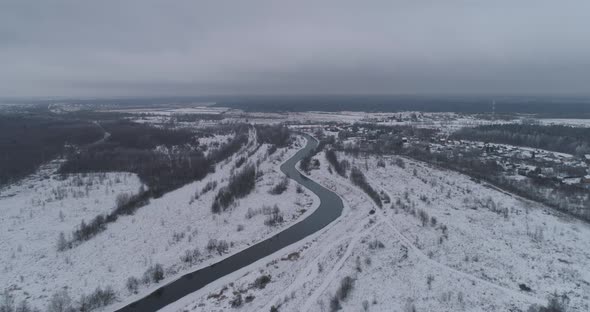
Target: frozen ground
{"type": "Point", "coordinates": [160, 232]}
{"type": "Point", "coordinates": [35, 211]}
{"type": "Point", "coordinates": [482, 250]}
{"type": "Point", "coordinates": [566, 121]}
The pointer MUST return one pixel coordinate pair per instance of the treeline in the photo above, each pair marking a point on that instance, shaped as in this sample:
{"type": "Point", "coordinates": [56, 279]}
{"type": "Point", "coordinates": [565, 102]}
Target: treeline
{"type": "Point", "coordinates": [227, 150]}
{"type": "Point", "coordinates": [143, 136]}
{"type": "Point", "coordinates": [240, 185]}
{"type": "Point", "coordinates": [339, 166]}
{"type": "Point", "coordinates": [566, 198]}
{"type": "Point", "coordinates": [565, 139]}
{"type": "Point", "coordinates": [278, 135]}
{"type": "Point", "coordinates": [305, 163]}
{"type": "Point", "coordinates": [358, 178]}
{"type": "Point", "coordinates": [131, 148]}
{"type": "Point", "coordinates": [26, 142]}
{"type": "Point", "coordinates": [555, 106]}
{"type": "Point", "coordinates": [161, 172]}
{"type": "Point", "coordinates": [196, 117]}
{"type": "Point", "coordinates": [126, 204]}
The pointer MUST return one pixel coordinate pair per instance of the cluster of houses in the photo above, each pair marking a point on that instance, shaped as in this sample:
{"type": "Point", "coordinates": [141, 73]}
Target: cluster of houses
{"type": "Point", "coordinates": [515, 160]}
{"type": "Point", "coordinates": [524, 161]}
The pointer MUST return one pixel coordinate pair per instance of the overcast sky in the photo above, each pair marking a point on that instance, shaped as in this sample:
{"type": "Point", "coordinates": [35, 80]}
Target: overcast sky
{"type": "Point", "coordinates": [145, 48]}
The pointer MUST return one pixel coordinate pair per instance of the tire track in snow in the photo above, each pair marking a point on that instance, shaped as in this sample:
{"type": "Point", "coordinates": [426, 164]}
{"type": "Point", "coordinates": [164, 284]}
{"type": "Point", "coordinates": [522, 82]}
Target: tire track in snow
{"type": "Point", "coordinates": [408, 244]}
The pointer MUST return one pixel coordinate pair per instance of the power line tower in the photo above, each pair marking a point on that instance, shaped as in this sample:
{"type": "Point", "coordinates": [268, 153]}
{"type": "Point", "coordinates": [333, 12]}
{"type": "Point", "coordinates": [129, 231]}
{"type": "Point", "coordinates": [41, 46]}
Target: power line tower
{"type": "Point", "coordinates": [494, 110]}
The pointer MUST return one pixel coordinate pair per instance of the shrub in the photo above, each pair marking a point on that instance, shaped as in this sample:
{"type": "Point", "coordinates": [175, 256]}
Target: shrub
{"type": "Point", "coordinates": [250, 213]}
{"type": "Point", "coordinates": [275, 217]}
{"type": "Point", "coordinates": [376, 244]}
{"type": "Point", "coordinates": [280, 188]}
{"type": "Point", "coordinates": [555, 303]}
{"type": "Point", "coordinates": [262, 281]}
{"type": "Point", "coordinates": [212, 245]}
{"type": "Point", "coordinates": [62, 243]}
{"type": "Point", "coordinates": [218, 246]}
{"type": "Point", "coordinates": [191, 256]}
{"type": "Point", "coordinates": [154, 273]}
{"type": "Point", "coordinates": [346, 285]}
{"type": "Point", "coordinates": [365, 305]}
{"type": "Point", "coordinates": [211, 185]}
{"type": "Point", "coordinates": [429, 280]}
{"type": "Point", "coordinates": [335, 304]}
{"type": "Point", "coordinates": [424, 218]}
{"type": "Point", "coordinates": [222, 246]}
{"type": "Point", "coordinates": [236, 302]}
{"type": "Point", "coordinates": [433, 221]}
{"type": "Point", "coordinates": [99, 298]}
{"type": "Point", "coordinates": [60, 302]}
{"type": "Point", "coordinates": [132, 285]}
{"type": "Point", "coordinates": [299, 189]}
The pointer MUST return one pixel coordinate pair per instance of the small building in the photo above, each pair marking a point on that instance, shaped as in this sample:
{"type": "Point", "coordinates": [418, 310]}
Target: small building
{"type": "Point", "coordinates": [585, 179]}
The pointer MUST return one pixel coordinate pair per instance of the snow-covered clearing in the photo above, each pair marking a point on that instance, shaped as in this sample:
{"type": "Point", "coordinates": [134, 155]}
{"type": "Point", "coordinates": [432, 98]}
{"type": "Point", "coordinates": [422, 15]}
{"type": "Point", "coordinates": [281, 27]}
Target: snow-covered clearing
{"type": "Point", "coordinates": [35, 211]}
{"type": "Point", "coordinates": [481, 252]}
{"type": "Point", "coordinates": [160, 232]}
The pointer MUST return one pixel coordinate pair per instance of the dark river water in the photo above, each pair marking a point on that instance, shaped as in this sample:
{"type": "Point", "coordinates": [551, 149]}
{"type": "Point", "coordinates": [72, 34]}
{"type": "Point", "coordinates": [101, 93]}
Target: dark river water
{"type": "Point", "coordinates": [330, 209]}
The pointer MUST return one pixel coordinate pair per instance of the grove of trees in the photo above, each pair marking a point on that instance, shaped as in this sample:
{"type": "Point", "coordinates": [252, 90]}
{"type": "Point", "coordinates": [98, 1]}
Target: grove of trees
{"type": "Point", "coordinates": [26, 142]}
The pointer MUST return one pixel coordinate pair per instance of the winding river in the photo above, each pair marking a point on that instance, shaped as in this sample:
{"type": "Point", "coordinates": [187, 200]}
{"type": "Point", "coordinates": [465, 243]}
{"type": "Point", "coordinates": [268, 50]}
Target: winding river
{"type": "Point", "coordinates": [330, 209]}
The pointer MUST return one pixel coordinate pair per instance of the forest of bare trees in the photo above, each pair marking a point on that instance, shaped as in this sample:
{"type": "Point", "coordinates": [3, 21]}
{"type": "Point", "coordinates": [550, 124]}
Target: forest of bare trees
{"type": "Point", "coordinates": [27, 142]}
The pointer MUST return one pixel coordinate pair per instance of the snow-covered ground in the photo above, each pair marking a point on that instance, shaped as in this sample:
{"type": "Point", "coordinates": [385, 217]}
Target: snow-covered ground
{"type": "Point", "coordinates": [477, 250]}
{"type": "Point", "coordinates": [160, 232]}
{"type": "Point", "coordinates": [566, 121]}
{"type": "Point", "coordinates": [482, 250]}
{"type": "Point", "coordinates": [35, 212]}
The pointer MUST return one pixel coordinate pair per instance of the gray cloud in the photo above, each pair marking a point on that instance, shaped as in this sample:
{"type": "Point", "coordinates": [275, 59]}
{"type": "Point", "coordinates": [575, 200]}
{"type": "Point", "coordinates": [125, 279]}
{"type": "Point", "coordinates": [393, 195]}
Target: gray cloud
{"type": "Point", "coordinates": [110, 48]}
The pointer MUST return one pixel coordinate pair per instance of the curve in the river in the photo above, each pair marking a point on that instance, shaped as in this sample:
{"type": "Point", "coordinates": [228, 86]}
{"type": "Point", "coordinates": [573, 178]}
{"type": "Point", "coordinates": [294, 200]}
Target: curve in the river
{"type": "Point", "coordinates": [330, 209]}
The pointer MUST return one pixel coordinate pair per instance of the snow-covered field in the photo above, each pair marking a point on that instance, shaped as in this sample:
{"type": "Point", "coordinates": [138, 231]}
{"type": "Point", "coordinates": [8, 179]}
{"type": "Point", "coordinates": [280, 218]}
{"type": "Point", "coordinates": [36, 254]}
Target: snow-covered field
{"type": "Point", "coordinates": [566, 121]}
{"type": "Point", "coordinates": [160, 232]}
{"type": "Point", "coordinates": [35, 212]}
{"type": "Point", "coordinates": [443, 243]}
{"type": "Point", "coordinates": [483, 252]}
